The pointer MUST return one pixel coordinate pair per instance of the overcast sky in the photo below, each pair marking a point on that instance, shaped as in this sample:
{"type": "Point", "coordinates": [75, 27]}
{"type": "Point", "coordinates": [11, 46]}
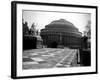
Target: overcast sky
{"type": "Point", "coordinates": [42, 18]}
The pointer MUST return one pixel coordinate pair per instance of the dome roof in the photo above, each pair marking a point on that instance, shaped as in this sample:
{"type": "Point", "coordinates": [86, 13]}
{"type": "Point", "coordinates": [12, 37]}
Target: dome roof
{"type": "Point", "coordinates": [62, 21]}
{"type": "Point", "coordinates": [61, 25]}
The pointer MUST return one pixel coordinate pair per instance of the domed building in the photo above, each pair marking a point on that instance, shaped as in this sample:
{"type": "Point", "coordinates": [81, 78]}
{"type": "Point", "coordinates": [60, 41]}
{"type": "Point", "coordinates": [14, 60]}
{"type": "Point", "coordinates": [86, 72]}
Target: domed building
{"type": "Point", "coordinates": [61, 32]}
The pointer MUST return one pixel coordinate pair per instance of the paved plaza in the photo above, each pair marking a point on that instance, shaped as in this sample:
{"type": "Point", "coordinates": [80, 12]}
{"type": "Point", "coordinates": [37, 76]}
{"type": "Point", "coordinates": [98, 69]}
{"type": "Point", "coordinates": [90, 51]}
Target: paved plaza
{"type": "Point", "coordinates": [49, 58]}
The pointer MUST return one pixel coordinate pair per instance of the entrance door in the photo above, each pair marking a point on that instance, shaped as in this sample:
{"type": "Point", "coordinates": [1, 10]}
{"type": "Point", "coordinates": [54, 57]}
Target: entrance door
{"type": "Point", "coordinates": [54, 44]}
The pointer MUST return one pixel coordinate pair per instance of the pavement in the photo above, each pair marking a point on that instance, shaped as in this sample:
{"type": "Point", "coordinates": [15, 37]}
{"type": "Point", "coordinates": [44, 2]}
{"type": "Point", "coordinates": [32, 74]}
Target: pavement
{"type": "Point", "coordinates": [49, 58]}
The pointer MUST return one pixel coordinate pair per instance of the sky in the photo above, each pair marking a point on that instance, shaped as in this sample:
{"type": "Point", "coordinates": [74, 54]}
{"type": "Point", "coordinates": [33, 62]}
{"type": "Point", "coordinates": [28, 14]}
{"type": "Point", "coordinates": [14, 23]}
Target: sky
{"type": "Point", "coordinates": [42, 18]}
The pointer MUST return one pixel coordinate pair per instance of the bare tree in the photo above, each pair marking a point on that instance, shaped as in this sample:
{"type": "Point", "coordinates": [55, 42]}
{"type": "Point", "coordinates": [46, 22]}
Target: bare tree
{"type": "Point", "coordinates": [25, 28]}
{"type": "Point", "coordinates": [87, 31]}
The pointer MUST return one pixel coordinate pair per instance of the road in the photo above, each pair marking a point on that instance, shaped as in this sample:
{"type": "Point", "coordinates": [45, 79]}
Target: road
{"type": "Point", "coordinates": [48, 58]}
